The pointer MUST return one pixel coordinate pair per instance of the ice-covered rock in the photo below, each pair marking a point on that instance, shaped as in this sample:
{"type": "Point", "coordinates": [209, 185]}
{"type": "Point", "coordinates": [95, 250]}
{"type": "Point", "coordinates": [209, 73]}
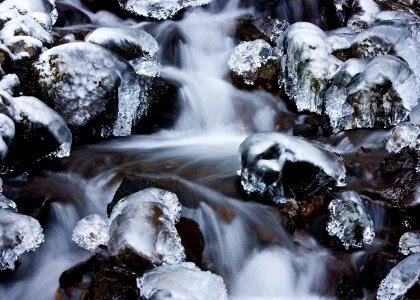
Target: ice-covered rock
{"type": "Point", "coordinates": [349, 221]}
{"type": "Point", "coordinates": [24, 46]}
{"type": "Point", "coordinates": [129, 43]}
{"type": "Point", "coordinates": [363, 12]}
{"type": "Point", "coordinates": [268, 29]}
{"type": "Point", "coordinates": [159, 9]}
{"type": "Point", "coordinates": [7, 133]}
{"type": "Point", "coordinates": [341, 38]}
{"type": "Point", "coordinates": [146, 66]}
{"type": "Point", "coordinates": [281, 166]}
{"type": "Point", "coordinates": [10, 83]}
{"type": "Point", "coordinates": [401, 278]}
{"type": "Point", "coordinates": [403, 135]}
{"type": "Point", "coordinates": [181, 282]}
{"type": "Point", "coordinates": [142, 228]}
{"type": "Point", "coordinates": [24, 7]}
{"type": "Point", "coordinates": [375, 94]}
{"type": "Point", "coordinates": [31, 115]}
{"type": "Point", "coordinates": [254, 63]}
{"type": "Point", "coordinates": [409, 243]}
{"type": "Point", "coordinates": [86, 83]}
{"type": "Point", "coordinates": [6, 203]}
{"type": "Point", "coordinates": [91, 231]}
{"type": "Point", "coordinates": [26, 26]}
{"type": "Point", "coordinates": [18, 234]}
{"type": "Point", "coordinates": [306, 64]}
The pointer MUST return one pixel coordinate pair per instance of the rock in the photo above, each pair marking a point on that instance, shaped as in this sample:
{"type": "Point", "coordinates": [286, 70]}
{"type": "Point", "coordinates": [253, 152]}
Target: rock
{"type": "Point", "coordinates": [129, 43]}
{"type": "Point", "coordinates": [93, 90]}
{"type": "Point", "coordinates": [24, 7]}
{"type": "Point", "coordinates": [349, 221]}
{"type": "Point", "coordinates": [91, 231]}
{"type": "Point", "coordinates": [18, 234]}
{"type": "Point", "coordinates": [409, 243]}
{"type": "Point", "coordinates": [160, 9]}
{"type": "Point", "coordinates": [156, 241]}
{"type": "Point", "coordinates": [192, 239]}
{"type": "Point", "coordinates": [340, 39]}
{"type": "Point", "coordinates": [267, 29]}
{"type": "Point", "coordinates": [10, 83]}
{"type": "Point", "coordinates": [26, 26]}
{"type": "Point", "coordinates": [38, 128]}
{"type": "Point", "coordinates": [281, 166]}
{"type": "Point", "coordinates": [254, 63]}
{"type": "Point", "coordinates": [306, 65]}
{"type": "Point", "coordinates": [375, 94]}
{"type": "Point", "coordinates": [375, 266]}
{"type": "Point", "coordinates": [69, 15]}
{"type": "Point", "coordinates": [24, 47]}
{"type": "Point", "coordinates": [181, 282]}
{"type": "Point", "coordinates": [358, 14]}
{"type": "Point", "coordinates": [401, 279]}
{"type": "Point", "coordinates": [7, 133]}
{"type": "Point", "coordinates": [403, 135]}
{"type": "Point", "coordinates": [7, 204]}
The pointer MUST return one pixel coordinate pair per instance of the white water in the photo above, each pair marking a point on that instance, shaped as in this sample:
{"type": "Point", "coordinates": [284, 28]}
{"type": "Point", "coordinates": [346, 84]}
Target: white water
{"type": "Point", "coordinates": [215, 118]}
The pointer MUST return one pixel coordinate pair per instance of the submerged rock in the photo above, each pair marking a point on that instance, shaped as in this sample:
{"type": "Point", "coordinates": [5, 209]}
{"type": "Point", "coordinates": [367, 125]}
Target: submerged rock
{"type": "Point", "coordinates": [349, 221]}
{"type": "Point", "coordinates": [375, 94]}
{"type": "Point", "coordinates": [306, 65]}
{"type": "Point", "coordinates": [401, 279]}
{"type": "Point", "coordinates": [254, 63]}
{"type": "Point", "coordinates": [404, 135]}
{"type": "Point", "coordinates": [81, 80]}
{"type": "Point", "coordinates": [281, 166]}
{"type": "Point", "coordinates": [91, 231]}
{"type": "Point", "coordinates": [18, 234]}
{"type": "Point", "coordinates": [409, 243]}
{"type": "Point", "coordinates": [142, 228]}
{"type": "Point", "coordinates": [181, 282]}
{"type": "Point", "coordinates": [129, 43]}
{"type": "Point", "coordinates": [159, 9]}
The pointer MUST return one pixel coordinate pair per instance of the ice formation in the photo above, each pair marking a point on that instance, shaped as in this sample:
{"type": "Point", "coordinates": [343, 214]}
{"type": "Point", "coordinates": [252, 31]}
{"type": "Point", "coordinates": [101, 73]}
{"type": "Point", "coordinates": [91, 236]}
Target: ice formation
{"type": "Point", "coordinates": [249, 57]}
{"type": "Point", "coordinates": [7, 133]}
{"type": "Point", "coordinates": [159, 9]}
{"type": "Point", "coordinates": [363, 94]}
{"type": "Point", "coordinates": [30, 109]}
{"type": "Point", "coordinates": [409, 243]}
{"type": "Point", "coordinates": [341, 38]}
{"type": "Point", "coordinates": [306, 64]}
{"type": "Point", "coordinates": [144, 224]}
{"type": "Point", "coordinates": [129, 43]}
{"type": "Point", "coordinates": [9, 83]}
{"type": "Point", "coordinates": [181, 282]}
{"type": "Point", "coordinates": [264, 157]}
{"type": "Point", "coordinates": [146, 66]}
{"type": "Point", "coordinates": [80, 78]}
{"type": "Point", "coordinates": [401, 278]}
{"type": "Point", "coordinates": [24, 7]}
{"type": "Point", "coordinates": [26, 26]}
{"type": "Point", "coordinates": [91, 231]}
{"type": "Point", "coordinates": [7, 204]}
{"type": "Point", "coordinates": [366, 12]}
{"type": "Point", "coordinates": [403, 135]}
{"type": "Point", "coordinates": [18, 234]}
{"type": "Point", "coordinates": [349, 221]}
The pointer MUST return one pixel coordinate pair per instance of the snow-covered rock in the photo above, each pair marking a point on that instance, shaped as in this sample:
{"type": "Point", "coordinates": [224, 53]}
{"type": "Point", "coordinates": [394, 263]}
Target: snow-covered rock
{"type": "Point", "coordinates": [267, 166]}
{"type": "Point", "coordinates": [181, 282]}
{"type": "Point", "coordinates": [24, 46]}
{"type": "Point", "coordinates": [129, 43]}
{"type": "Point", "coordinates": [143, 225]}
{"type": "Point", "coordinates": [306, 65]}
{"type": "Point", "coordinates": [86, 83]}
{"type": "Point", "coordinates": [401, 278]}
{"type": "Point", "coordinates": [91, 231]}
{"type": "Point", "coordinates": [18, 234]}
{"type": "Point", "coordinates": [159, 9]}
{"type": "Point", "coordinates": [371, 94]}
{"type": "Point", "coordinates": [349, 221]}
{"type": "Point", "coordinates": [24, 7]}
{"type": "Point", "coordinates": [409, 243]}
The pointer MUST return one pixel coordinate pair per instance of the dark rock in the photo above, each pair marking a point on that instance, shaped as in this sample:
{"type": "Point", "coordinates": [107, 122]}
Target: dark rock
{"type": "Point", "coordinates": [192, 239]}
{"type": "Point", "coordinates": [267, 29]}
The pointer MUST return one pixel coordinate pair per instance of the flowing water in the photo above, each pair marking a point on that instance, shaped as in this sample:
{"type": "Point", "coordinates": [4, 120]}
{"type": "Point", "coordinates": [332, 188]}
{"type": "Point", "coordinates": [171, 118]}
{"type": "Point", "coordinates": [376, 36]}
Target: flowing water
{"type": "Point", "coordinates": [246, 242]}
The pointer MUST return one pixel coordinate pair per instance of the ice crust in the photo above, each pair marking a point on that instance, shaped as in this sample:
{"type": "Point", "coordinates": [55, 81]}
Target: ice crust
{"type": "Point", "coordinates": [409, 243]}
{"type": "Point", "coordinates": [78, 76]}
{"type": "Point", "coordinates": [18, 234]}
{"type": "Point", "coordinates": [159, 9]}
{"type": "Point", "coordinates": [184, 281]}
{"type": "Point", "coordinates": [24, 7]}
{"type": "Point", "coordinates": [146, 66]}
{"type": "Point", "coordinates": [144, 223]}
{"type": "Point", "coordinates": [403, 135]}
{"type": "Point", "coordinates": [306, 64]}
{"type": "Point", "coordinates": [267, 153]}
{"type": "Point", "coordinates": [248, 57]}
{"type": "Point", "coordinates": [349, 221]}
{"type": "Point", "coordinates": [91, 231]}
{"type": "Point", "coordinates": [401, 278]}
